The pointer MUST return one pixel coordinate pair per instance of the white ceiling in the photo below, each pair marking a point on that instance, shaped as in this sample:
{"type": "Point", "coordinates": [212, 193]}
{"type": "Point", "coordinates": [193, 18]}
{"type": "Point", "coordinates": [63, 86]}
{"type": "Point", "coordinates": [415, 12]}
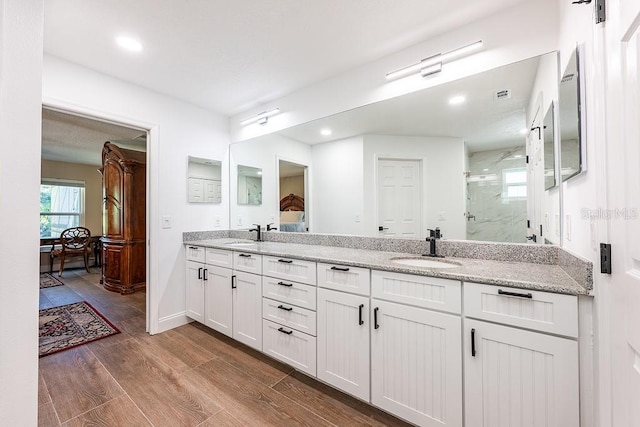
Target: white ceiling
{"type": "Point", "coordinates": [482, 122]}
{"type": "Point", "coordinates": [69, 138]}
{"type": "Point", "coordinates": [229, 56]}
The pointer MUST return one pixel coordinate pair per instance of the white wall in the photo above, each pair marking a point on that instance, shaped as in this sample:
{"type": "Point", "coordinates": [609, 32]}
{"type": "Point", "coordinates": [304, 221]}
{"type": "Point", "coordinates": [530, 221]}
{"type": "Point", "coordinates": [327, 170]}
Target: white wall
{"type": "Point", "coordinates": [21, 29]}
{"type": "Point", "coordinates": [178, 130]}
{"type": "Point", "coordinates": [264, 155]}
{"type": "Point", "coordinates": [338, 187]}
{"type": "Point", "coordinates": [528, 29]}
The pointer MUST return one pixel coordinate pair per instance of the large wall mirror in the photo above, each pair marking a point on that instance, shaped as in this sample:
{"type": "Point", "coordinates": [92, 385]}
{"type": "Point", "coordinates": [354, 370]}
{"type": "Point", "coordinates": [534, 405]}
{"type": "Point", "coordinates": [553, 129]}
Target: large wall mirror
{"type": "Point", "coordinates": [572, 118]}
{"type": "Point", "coordinates": [451, 156]}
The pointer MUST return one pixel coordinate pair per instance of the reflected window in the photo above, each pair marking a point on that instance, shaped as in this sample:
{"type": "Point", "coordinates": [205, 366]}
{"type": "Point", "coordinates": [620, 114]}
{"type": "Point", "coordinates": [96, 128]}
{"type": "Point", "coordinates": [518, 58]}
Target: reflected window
{"type": "Point", "coordinates": [514, 183]}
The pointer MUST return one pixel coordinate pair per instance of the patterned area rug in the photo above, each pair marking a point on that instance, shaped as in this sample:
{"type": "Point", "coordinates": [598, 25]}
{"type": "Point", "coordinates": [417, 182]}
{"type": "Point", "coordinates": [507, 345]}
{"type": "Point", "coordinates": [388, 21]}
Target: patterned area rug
{"type": "Point", "coordinates": [71, 325]}
{"type": "Point", "coordinates": [48, 281]}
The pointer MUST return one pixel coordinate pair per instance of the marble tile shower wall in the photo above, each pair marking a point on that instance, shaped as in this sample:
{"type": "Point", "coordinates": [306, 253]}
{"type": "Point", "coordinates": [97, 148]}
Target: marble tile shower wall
{"type": "Point", "coordinates": [495, 215]}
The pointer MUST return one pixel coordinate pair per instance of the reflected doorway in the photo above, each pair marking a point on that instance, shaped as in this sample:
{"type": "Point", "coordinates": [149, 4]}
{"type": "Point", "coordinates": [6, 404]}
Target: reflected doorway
{"type": "Point", "coordinates": [293, 193]}
{"type": "Point", "coordinates": [399, 198]}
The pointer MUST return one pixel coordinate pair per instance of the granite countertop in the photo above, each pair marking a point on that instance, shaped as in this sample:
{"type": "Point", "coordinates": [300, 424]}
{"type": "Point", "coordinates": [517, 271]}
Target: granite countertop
{"type": "Point", "coordinates": [542, 277]}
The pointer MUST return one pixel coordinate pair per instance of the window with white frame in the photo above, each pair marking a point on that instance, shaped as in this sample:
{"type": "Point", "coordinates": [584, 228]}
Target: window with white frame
{"type": "Point", "coordinates": [61, 206]}
{"type": "Point", "coordinates": [514, 183]}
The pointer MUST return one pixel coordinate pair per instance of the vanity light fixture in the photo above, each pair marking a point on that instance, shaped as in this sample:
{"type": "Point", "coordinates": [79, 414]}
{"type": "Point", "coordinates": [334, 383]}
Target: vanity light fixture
{"type": "Point", "coordinates": [433, 64]}
{"type": "Point", "coordinates": [128, 43]}
{"type": "Point", "coordinates": [261, 118]}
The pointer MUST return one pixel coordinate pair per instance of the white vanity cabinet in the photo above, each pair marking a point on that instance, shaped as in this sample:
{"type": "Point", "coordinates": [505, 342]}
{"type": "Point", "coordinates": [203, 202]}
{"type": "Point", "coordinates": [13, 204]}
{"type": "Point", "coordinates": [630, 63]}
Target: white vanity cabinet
{"type": "Point", "coordinates": [520, 377]}
{"type": "Point", "coordinates": [344, 328]}
{"type": "Point", "coordinates": [289, 311]}
{"type": "Point", "coordinates": [416, 352]}
{"type": "Point", "coordinates": [225, 297]}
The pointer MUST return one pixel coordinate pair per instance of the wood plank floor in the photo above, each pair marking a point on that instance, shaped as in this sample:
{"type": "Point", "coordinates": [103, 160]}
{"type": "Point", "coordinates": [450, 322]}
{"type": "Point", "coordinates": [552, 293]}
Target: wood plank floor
{"type": "Point", "coordinates": [189, 376]}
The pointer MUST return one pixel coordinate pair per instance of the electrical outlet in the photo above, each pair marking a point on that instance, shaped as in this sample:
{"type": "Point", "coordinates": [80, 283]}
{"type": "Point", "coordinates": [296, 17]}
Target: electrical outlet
{"type": "Point", "coordinates": [358, 218]}
{"type": "Point", "coordinates": [217, 221]}
{"type": "Point", "coordinates": [567, 226]}
{"type": "Point", "coordinates": [442, 216]}
{"type": "Point", "coordinates": [239, 220]}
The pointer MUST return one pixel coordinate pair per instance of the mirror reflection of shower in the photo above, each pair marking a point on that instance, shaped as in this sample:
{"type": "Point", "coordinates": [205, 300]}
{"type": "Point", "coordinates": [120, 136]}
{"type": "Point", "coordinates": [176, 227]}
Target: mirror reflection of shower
{"type": "Point", "coordinates": [293, 188]}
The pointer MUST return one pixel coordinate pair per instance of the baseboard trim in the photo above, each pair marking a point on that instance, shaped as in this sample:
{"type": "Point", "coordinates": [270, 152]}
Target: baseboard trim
{"type": "Point", "coordinates": [173, 321]}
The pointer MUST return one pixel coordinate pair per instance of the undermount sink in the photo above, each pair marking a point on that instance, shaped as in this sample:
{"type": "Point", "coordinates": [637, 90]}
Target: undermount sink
{"type": "Point", "coordinates": [241, 243]}
{"type": "Point", "coordinates": [425, 262]}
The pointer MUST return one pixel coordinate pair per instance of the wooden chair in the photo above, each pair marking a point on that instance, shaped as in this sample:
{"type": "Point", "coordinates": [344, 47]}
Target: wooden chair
{"type": "Point", "coordinates": [74, 241]}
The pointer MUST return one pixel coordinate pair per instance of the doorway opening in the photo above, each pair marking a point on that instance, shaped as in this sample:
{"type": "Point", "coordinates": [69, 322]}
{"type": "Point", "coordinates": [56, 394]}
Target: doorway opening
{"type": "Point", "coordinates": [293, 191]}
{"type": "Point", "coordinates": [73, 194]}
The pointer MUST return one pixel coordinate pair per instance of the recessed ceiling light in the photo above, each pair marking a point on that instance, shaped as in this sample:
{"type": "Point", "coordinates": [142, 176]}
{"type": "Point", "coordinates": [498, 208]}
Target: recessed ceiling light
{"type": "Point", "coordinates": [127, 43]}
{"type": "Point", "coordinates": [259, 172]}
{"type": "Point", "coordinates": [485, 170]}
{"type": "Point", "coordinates": [517, 156]}
{"type": "Point", "coordinates": [523, 131]}
{"type": "Point", "coordinates": [325, 132]}
{"type": "Point", "coordinates": [457, 100]}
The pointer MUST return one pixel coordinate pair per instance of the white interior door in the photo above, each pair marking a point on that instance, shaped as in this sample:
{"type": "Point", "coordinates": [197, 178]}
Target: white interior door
{"type": "Point", "coordinates": [622, 35]}
{"type": "Point", "coordinates": [399, 198]}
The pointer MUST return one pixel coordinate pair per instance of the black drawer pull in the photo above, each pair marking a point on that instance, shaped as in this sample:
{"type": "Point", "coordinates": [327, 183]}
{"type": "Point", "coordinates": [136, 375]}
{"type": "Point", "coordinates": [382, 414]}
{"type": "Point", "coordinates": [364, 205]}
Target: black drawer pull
{"type": "Point", "coordinates": [375, 318]}
{"type": "Point", "coordinates": [473, 342]}
{"type": "Point", "coordinates": [245, 255]}
{"type": "Point", "coordinates": [193, 247]}
{"type": "Point", "coordinates": [205, 275]}
{"type": "Point", "coordinates": [284, 331]}
{"type": "Point", "coordinates": [233, 282]}
{"type": "Point", "coordinates": [200, 273]}
{"type": "Point", "coordinates": [360, 321]}
{"type": "Point", "coordinates": [286, 261]}
{"type": "Point", "coordinates": [514, 294]}
{"type": "Point", "coordinates": [288, 285]}
{"type": "Point", "coordinates": [339, 268]}
{"type": "Point", "coordinates": [282, 307]}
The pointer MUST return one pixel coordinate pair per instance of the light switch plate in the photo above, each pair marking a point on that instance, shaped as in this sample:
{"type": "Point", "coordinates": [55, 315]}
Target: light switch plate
{"type": "Point", "coordinates": [166, 221]}
{"type": "Point", "coordinates": [567, 225]}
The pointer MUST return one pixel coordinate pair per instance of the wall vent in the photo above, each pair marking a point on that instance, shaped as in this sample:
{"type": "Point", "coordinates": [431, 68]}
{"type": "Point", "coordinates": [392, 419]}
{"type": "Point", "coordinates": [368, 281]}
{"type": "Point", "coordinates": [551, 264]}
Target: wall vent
{"type": "Point", "coordinates": [567, 78]}
{"type": "Point", "coordinates": [502, 94]}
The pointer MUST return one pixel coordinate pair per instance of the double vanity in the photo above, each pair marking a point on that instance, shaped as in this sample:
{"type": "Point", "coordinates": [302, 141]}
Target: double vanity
{"type": "Point", "coordinates": [450, 341]}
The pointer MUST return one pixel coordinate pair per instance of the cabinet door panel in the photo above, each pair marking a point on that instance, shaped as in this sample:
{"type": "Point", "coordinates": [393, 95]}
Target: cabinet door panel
{"type": "Point", "coordinates": [195, 291]}
{"type": "Point", "coordinates": [519, 378]}
{"type": "Point", "coordinates": [416, 366]}
{"type": "Point", "coordinates": [218, 297]}
{"type": "Point", "coordinates": [343, 343]}
{"type": "Point", "coordinates": [247, 309]}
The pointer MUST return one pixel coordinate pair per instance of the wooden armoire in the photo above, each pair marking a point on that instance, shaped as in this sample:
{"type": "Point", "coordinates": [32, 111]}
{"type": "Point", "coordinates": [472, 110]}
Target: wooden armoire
{"type": "Point", "coordinates": [123, 219]}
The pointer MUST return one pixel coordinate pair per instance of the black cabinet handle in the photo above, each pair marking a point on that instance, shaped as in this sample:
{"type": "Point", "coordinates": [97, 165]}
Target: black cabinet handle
{"type": "Point", "coordinates": [245, 255]}
{"type": "Point", "coordinates": [375, 318]}
{"type": "Point", "coordinates": [360, 321]}
{"type": "Point", "coordinates": [514, 294]}
{"type": "Point", "coordinates": [282, 307]}
{"type": "Point", "coordinates": [286, 261]}
{"type": "Point", "coordinates": [205, 275]}
{"type": "Point", "coordinates": [193, 247]}
{"type": "Point", "coordinates": [233, 282]}
{"type": "Point", "coordinates": [200, 273]}
{"type": "Point", "coordinates": [288, 285]}
{"type": "Point", "coordinates": [284, 331]}
{"type": "Point", "coordinates": [339, 269]}
{"type": "Point", "coordinates": [473, 342]}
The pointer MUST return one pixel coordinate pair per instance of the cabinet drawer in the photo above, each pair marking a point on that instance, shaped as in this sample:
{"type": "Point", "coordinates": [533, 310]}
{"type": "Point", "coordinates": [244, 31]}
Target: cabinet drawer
{"type": "Point", "coordinates": [541, 311]}
{"type": "Point", "coordinates": [290, 269]}
{"type": "Point", "coordinates": [195, 253]}
{"type": "Point", "coordinates": [289, 292]}
{"type": "Point", "coordinates": [289, 346]}
{"type": "Point", "coordinates": [250, 263]}
{"type": "Point", "coordinates": [219, 257]}
{"type": "Point", "coordinates": [344, 278]}
{"type": "Point", "coordinates": [421, 291]}
{"type": "Point", "coordinates": [289, 315]}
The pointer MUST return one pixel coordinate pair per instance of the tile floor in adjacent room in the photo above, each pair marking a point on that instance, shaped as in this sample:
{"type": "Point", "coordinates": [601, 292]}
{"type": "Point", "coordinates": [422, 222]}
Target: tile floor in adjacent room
{"type": "Point", "coordinates": [188, 376]}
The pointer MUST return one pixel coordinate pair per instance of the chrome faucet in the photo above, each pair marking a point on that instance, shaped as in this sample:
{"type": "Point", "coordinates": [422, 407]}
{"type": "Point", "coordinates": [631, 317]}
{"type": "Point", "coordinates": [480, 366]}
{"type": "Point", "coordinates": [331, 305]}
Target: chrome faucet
{"type": "Point", "coordinates": [433, 236]}
{"type": "Point", "coordinates": [258, 230]}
